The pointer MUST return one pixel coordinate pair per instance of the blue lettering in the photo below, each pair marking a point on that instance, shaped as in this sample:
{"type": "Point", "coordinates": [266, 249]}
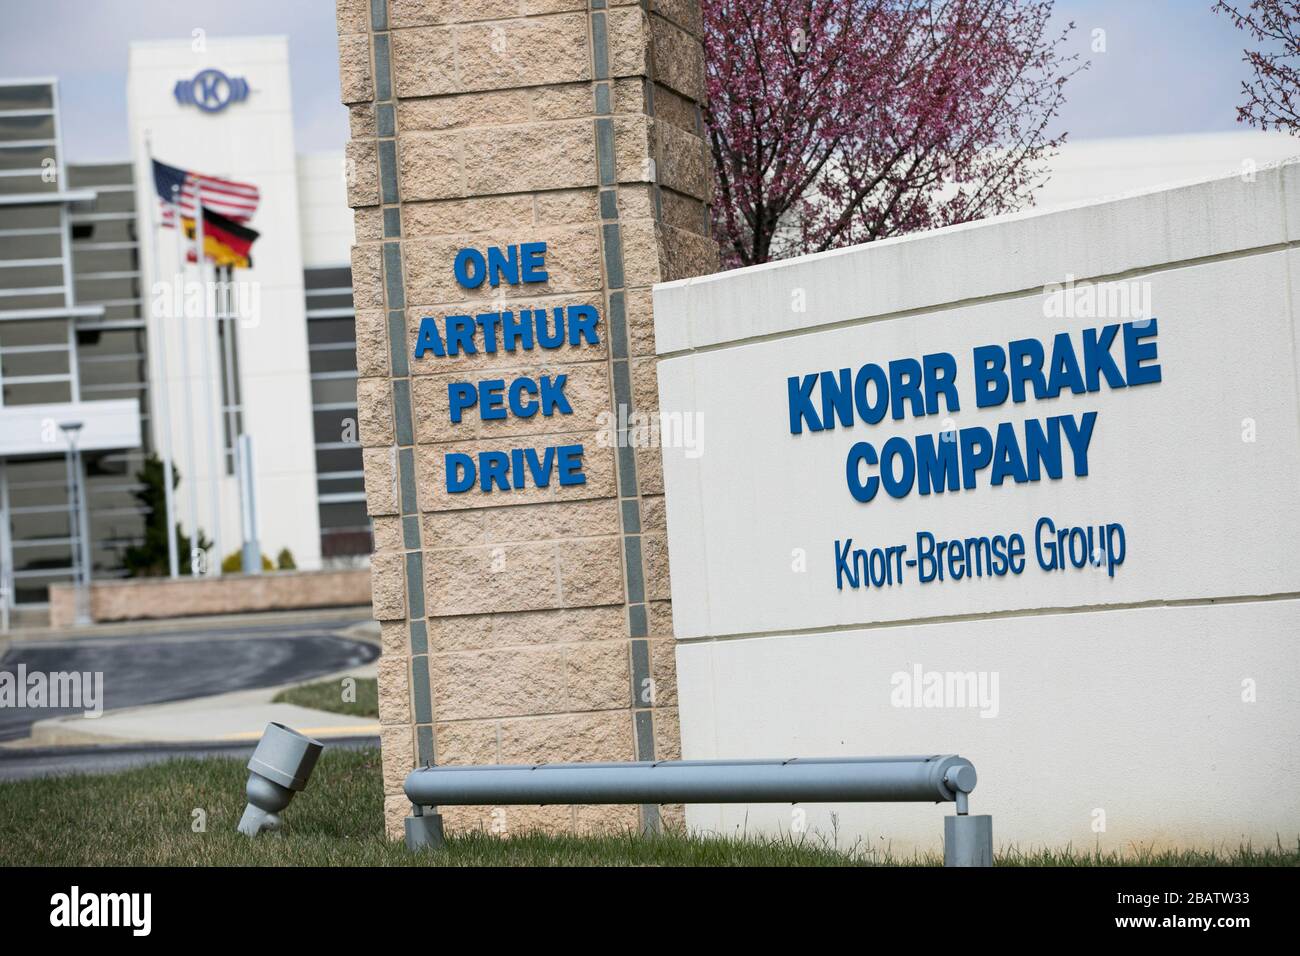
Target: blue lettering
{"type": "Point", "coordinates": [862, 491]}
{"type": "Point", "coordinates": [470, 268]}
{"type": "Point", "coordinates": [801, 407]}
{"type": "Point", "coordinates": [990, 376]}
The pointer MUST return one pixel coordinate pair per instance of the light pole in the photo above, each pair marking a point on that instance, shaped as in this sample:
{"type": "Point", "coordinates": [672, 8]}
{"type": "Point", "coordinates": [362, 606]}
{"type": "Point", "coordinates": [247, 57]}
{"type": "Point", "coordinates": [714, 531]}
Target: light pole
{"type": "Point", "coordinates": [251, 561]}
{"type": "Point", "coordinates": [80, 554]}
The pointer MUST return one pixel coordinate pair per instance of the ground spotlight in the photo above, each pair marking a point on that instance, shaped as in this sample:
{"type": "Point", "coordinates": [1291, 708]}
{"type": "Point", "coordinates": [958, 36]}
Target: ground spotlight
{"type": "Point", "coordinates": [281, 765]}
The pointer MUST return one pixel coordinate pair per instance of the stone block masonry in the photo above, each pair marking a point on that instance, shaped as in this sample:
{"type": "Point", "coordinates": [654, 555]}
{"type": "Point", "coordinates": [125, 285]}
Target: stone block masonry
{"type": "Point", "coordinates": [518, 168]}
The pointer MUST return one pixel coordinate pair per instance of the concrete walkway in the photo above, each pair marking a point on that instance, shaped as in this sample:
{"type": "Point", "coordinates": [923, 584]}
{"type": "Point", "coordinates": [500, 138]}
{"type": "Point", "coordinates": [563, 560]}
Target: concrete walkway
{"type": "Point", "coordinates": [31, 763]}
{"type": "Point", "coordinates": [241, 715]}
{"type": "Point", "coordinates": [219, 654]}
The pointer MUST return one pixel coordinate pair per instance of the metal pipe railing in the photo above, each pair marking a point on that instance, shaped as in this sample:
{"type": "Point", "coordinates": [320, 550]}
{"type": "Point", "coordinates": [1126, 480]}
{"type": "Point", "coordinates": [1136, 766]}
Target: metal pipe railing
{"type": "Point", "coordinates": [923, 779]}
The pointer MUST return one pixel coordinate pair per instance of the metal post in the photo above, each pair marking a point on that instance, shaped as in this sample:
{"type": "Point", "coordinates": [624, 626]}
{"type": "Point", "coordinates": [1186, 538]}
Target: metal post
{"type": "Point", "coordinates": [195, 564]}
{"type": "Point", "coordinates": [424, 830]}
{"type": "Point", "coordinates": [83, 534]}
{"type": "Point", "coordinates": [252, 552]}
{"type": "Point", "coordinates": [72, 517]}
{"type": "Point", "coordinates": [6, 571]}
{"type": "Point", "coordinates": [967, 840]}
{"type": "Point", "coordinates": [80, 554]}
{"type": "Point", "coordinates": [160, 394]}
{"type": "Point", "coordinates": [216, 447]}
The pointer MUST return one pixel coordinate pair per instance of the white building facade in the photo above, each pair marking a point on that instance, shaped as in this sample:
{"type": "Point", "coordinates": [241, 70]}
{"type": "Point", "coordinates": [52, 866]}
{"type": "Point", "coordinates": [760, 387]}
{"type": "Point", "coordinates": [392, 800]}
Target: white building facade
{"type": "Point", "coordinates": [95, 315]}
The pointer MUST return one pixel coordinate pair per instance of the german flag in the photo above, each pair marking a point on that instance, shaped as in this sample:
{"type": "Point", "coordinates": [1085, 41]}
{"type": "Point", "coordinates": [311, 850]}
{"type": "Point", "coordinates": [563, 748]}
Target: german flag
{"type": "Point", "coordinates": [225, 242]}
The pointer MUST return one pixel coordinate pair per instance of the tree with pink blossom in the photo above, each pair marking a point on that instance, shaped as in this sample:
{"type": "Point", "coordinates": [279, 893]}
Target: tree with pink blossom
{"type": "Point", "coordinates": [1272, 97]}
{"type": "Point", "coordinates": [834, 122]}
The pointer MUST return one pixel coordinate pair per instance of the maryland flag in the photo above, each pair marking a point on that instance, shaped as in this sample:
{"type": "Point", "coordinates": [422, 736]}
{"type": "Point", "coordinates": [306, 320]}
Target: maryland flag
{"type": "Point", "coordinates": [225, 242]}
{"type": "Point", "coordinates": [227, 205]}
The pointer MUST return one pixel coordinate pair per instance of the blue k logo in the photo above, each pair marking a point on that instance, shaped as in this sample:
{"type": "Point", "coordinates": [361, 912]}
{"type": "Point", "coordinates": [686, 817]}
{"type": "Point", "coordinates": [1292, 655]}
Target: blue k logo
{"type": "Point", "coordinates": [211, 90]}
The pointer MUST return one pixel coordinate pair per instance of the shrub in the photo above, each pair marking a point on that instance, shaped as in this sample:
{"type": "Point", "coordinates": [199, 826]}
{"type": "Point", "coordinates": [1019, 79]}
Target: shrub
{"type": "Point", "coordinates": [233, 563]}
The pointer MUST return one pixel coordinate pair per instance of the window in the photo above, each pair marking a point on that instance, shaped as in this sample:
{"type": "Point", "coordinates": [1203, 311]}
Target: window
{"type": "Point", "coordinates": [16, 127]}
{"type": "Point", "coordinates": [32, 274]}
{"type": "Point", "coordinates": [232, 407]}
{"type": "Point", "coordinates": [36, 499]}
{"type": "Point", "coordinates": [331, 337]}
{"type": "Point", "coordinates": [34, 362]}
{"type": "Point", "coordinates": [105, 257]}
{"type": "Point", "coordinates": [42, 216]}
{"type": "Point", "coordinates": [16, 185]}
{"type": "Point", "coordinates": [34, 334]}
{"type": "Point", "coordinates": [35, 393]}
{"type": "Point", "coordinates": [232, 402]}
{"type": "Point", "coordinates": [117, 518]}
{"type": "Point", "coordinates": [101, 174]}
{"type": "Point", "coordinates": [112, 356]}
{"type": "Point", "coordinates": [94, 289]}
{"type": "Point", "coordinates": [26, 157]}
{"type": "Point", "coordinates": [35, 96]}
{"type": "Point", "coordinates": [97, 229]}
{"type": "Point", "coordinates": [33, 277]}
{"type": "Point", "coordinates": [337, 457]}
{"type": "Point", "coordinates": [34, 245]}
{"type": "Point", "coordinates": [114, 200]}
{"type": "Point", "coordinates": [14, 364]}
{"type": "Point", "coordinates": [329, 279]}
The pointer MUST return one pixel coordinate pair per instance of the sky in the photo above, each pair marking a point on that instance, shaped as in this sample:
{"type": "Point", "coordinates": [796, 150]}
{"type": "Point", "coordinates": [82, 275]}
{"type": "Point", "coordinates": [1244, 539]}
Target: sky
{"type": "Point", "coordinates": [1169, 66]}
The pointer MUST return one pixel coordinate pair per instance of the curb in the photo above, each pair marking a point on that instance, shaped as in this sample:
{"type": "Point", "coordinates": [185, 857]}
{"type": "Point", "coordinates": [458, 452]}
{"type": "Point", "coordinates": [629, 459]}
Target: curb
{"type": "Point", "coordinates": [183, 624]}
{"type": "Point", "coordinates": [57, 734]}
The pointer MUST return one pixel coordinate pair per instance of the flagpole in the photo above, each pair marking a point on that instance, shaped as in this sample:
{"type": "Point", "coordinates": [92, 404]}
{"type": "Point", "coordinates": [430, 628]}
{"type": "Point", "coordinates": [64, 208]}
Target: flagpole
{"type": "Point", "coordinates": [219, 461]}
{"type": "Point", "coordinates": [189, 386]}
{"type": "Point", "coordinates": [159, 396]}
{"type": "Point", "coordinates": [227, 315]}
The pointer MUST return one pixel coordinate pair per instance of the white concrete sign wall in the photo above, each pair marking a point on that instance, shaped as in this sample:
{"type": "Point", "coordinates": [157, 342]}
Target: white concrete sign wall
{"type": "Point", "coordinates": [1132, 682]}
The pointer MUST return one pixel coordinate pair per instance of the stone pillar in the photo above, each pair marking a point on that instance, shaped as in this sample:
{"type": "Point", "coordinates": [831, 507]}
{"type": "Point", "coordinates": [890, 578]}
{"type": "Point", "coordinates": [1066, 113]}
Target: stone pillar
{"type": "Point", "coordinates": [532, 624]}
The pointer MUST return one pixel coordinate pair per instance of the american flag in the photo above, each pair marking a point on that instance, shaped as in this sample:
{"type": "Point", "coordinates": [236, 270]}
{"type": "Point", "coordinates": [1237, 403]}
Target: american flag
{"type": "Point", "coordinates": [237, 201]}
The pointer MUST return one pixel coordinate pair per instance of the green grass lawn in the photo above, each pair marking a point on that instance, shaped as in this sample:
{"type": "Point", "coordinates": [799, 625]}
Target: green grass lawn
{"type": "Point", "coordinates": [144, 817]}
{"type": "Point", "coordinates": [328, 695]}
